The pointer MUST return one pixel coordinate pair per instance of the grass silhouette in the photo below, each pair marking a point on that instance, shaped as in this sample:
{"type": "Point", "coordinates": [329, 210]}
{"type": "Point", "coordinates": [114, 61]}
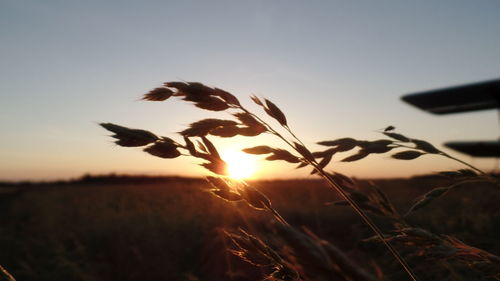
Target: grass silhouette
{"type": "Point", "coordinates": [314, 258]}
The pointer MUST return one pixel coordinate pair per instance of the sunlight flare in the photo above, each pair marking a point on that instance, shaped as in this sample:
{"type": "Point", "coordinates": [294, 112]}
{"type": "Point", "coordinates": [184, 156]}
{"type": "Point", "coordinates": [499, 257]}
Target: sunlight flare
{"type": "Point", "coordinates": [240, 165]}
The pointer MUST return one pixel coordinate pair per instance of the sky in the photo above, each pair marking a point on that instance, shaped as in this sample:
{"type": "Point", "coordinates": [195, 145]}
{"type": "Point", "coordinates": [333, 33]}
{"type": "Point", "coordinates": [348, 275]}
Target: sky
{"type": "Point", "coordinates": [336, 68]}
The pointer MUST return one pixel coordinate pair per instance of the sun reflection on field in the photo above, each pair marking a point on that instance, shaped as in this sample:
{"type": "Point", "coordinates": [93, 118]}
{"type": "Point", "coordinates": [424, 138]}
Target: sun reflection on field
{"type": "Point", "coordinates": [240, 165]}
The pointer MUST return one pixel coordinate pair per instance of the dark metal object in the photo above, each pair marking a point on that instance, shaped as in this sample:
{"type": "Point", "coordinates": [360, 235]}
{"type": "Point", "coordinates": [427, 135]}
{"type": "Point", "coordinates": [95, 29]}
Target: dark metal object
{"type": "Point", "coordinates": [476, 148]}
{"type": "Point", "coordinates": [464, 98]}
{"type": "Point", "coordinates": [470, 97]}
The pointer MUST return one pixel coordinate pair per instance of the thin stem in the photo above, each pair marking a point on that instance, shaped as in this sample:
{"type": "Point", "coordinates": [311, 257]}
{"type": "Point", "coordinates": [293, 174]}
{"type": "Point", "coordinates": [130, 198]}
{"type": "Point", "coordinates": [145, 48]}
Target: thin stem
{"type": "Point", "coordinates": [278, 217]}
{"type": "Point", "coordinates": [450, 157]}
{"type": "Point", "coordinates": [6, 275]}
{"type": "Point", "coordinates": [293, 135]}
{"type": "Point", "coordinates": [368, 221]}
{"type": "Point", "coordinates": [275, 213]}
{"type": "Point", "coordinates": [464, 163]}
{"type": "Point", "coordinates": [344, 195]}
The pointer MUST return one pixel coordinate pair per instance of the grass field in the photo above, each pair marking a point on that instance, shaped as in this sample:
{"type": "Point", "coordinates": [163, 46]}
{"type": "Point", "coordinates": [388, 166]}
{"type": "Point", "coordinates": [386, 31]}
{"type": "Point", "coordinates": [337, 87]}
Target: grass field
{"type": "Point", "coordinates": [170, 229]}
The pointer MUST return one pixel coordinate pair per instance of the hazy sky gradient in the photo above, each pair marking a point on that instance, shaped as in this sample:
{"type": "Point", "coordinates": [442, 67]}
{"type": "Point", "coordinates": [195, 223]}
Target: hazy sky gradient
{"type": "Point", "coordinates": [336, 68]}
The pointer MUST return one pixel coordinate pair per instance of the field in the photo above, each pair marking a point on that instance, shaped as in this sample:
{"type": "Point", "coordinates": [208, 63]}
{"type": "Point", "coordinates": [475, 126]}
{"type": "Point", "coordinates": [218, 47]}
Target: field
{"type": "Point", "coordinates": [170, 228]}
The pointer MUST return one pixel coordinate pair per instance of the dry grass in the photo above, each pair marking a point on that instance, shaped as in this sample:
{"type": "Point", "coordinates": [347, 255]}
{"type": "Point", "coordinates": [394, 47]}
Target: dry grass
{"type": "Point", "coordinates": [169, 230]}
{"type": "Point", "coordinates": [303, 262]}
{"type": "Point", "coordinates": [298, 253]}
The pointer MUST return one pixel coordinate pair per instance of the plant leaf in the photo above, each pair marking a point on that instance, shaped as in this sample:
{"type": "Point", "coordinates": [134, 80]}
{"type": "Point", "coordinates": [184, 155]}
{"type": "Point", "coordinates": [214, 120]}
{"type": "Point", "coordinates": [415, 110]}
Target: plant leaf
{"type": "Point", "coordinates": [130, 137]}
{"type": "Point", "coordinates": [163, 149]}
{"type": "Point", "coordinates": [226, 96]}
{"type": "Point", "coordinates": [273, 111]}
{"type": "Point", "coordinates": [212, 103]}
{"type": "Point", "coordinates": [211, 148]}
{"type": "Point", "coordinates": [389, 128]}
{"type": "Point", "coordinates": [281, 154]}
{"type": "Point", "coordinates": [179, 86]}
{"type": "Point", "coordinates": [251, 131]}
{"type": "Point", "coordinates": [256, 100]}
{"type": "Point", "coordinates": [246, 119]}
{"type": "Point", "coordinates": [158, 94]}
{"type": "Point", "coordinates": [301, 165]}
{"type": "Point", "coordinates": [428, 198]}
{"type": "Point", "coordinates": [261, 149]}
{"type": "Point", "coordinates": [378, 146]}
{"type": "Point", "coordinates": [216, 166]}
{"type": "Point", "coordinates": [225, 132]}
{"type": "Point", "coordinates": [203, 127]}
{"type": "Point", "coordinates": [255, 198]}
{"type": "Point", "coordinates": [425, 146]}
{"type": "Point", "coordinates": [355, 157]}
{"type": "Point", "coordinates": [396, 136]}
{"type": "Point", "coordinates": [344, 143]}
{"type": "Point", "coordinates": [304, 151]}
{"type": "Point", "coordinates": [407, 155]}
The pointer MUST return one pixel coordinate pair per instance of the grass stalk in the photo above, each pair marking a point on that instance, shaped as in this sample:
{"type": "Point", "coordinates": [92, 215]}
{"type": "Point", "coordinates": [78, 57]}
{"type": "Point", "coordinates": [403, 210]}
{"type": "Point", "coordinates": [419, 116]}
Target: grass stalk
{"type": "Point", "coordinates": [344, 195]}
{"type": "Point", "coordinates": [5, 275]}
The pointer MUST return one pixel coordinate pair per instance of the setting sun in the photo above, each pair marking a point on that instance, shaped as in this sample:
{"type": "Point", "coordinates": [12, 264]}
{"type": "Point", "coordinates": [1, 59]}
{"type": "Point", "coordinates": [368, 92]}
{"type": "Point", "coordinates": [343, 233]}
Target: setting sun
{"type": "Point", "coordinates": [240, 165]}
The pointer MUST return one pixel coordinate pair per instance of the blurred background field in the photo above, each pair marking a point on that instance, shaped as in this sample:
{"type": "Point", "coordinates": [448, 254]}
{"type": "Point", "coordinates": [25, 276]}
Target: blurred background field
{"type": "Point", "coordinates": [136, 228]}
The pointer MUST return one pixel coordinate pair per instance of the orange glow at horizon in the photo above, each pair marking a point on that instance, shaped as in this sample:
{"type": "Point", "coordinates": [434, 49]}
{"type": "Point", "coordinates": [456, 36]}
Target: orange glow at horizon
{"type": "Point", "coordinates": [240, 165]}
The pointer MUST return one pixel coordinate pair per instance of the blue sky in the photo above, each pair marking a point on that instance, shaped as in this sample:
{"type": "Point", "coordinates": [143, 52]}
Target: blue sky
{"type": "Point", "coordinates": [336, 68]}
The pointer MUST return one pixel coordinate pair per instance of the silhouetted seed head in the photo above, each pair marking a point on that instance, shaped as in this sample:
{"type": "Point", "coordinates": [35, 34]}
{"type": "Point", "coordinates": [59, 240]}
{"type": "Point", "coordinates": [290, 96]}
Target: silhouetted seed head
{"type": "Point", "coordinates": [304, 151]}
{"type": "Point", "coordinates": [216, 166]}
{"type": "Point", "coordinates": [464, 173]}
{"type": "Point", "coordinates": [281, 154]}
{"type": "Point", "coordinates": [360, 155]}
{"type": "Point", "coordinates": [204, 97]}
{"type": "Point", "coordinates": [211, 148]}
{"type": "Point", "coordinates": [218, 183]}
{"type": "Point", "coordinates": [246, 119]}
{"type": "Point", "coordinates": [179, 86]}
{"type": "Point", "coordinates": [255, 198]}
{"type": "Point", "coordinates": [261, 149]}
{"type": "Point", "coordinates": [241, 240]}
{"type": "Point", "coordinates": [252, 131]}
{"type": "Point", "coordinates": [190, 146]}
{"type": "Point", "coordinates": [227, 97]}
{"type": "Point", "coordinates": [130, 137]}
{"type": "Point", "coordinates": [227, 195]}
{"type": "Point", "coordinates": [256, 100]}
{"type": "Point", "coordinates": [343, 142]}
{"type": "Point", "coordinates": [198, 89]}
{"type": "Point", "coordinates": [428, 198]}
{"type": "Point", "coordinates": [358, 196]}
{"type": "Point", "coordinates": [225, 132]}
{"type": "Point", "coordinates": [323, 163]}
{"type": "Point", "coordinates": [378, 146]}
{"type": "Point", "coordinates": [223, 190]}
{"type": "Point", "coordinates": [273, 111]}
{"type": "Point", "coordinates": [213, 104]}
{"type": "Point", "coordinates": [158, 94]}
{"type": "Point", "coordinates": [389, 128]}
{"type": "Point", "coordinates": [407, 155]}
{"type": "Point", "coordinates": [397, 136]}
{"type": "Point", "coordinates": [253, 250]}
{"type": "Point", "coordinates": [203, 127]}
{"type": "Point", "coordinates": [425, 146]}
{"type": "Point", "coordinates": [342, 178]}
{"type": "Point", "coordinates": [201, 146]}
{"type": "Point", "coordinates": [253, 257]}
{"type": "Point", "coordinates": [163, 149]}
{"type": "Point", "coordinates": [325, 153]}
{"type": "Point", "coordinates": [302, 165]}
